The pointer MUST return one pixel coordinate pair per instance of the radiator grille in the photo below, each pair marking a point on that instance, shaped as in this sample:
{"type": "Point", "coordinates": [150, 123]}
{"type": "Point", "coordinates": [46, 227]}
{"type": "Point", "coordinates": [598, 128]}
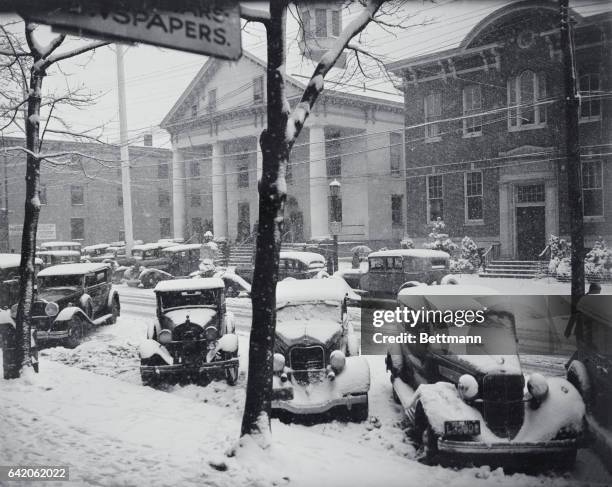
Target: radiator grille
{"type": "Point", "coordinates": [503, 407]}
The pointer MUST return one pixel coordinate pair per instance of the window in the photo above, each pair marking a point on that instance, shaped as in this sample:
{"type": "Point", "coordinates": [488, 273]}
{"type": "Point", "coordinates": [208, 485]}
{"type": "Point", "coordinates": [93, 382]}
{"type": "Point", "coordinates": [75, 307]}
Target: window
{"type": "Point", "coordinates": [472, 105]}
{"type": "Point", "coordinates": [592, 188]}
{"type": "Point", "coordinates": [212, 100]}
{"type": "Point", "coordinates": [306, 23]}
{"type": "Point", "coordinates": [320, 22]}
{"type": "Point", "coordinates": [258, 90]}
{"type": "Point", "coordinates": [162, 170]}
{"type": "Point", "coordinates": [243, 171]}
{"type": "Point", "coordinates": [376, 264]}
{"type": "Point", "coordinates": [590, 101]}
{"type": "Point", "coordinates": [525, 95]}
{"type": "Point", "coordinates": [120, 197]}
{"type": "Point", "coordinates": [530, 193]}
{"type": "Point", "coordinates": [163, 198]}
{"type": "Point", "coordinates": [332, 153]}
{"type": "Point", "coordinates": [77, 229]}
{"type": "Point", "coordinates": [435, 200]}
{"type": "Point", "coordinates": [335, 23]}
{"type": "Point", "coordinates": [196, 200]}
{"type": "Point", "coordinates": [473, 196]}
{"type": "Point", "coordinates": [194, 110]}
{"type": "Point", "coordinates": [76, 195]}
{"type": "Point", "coordinates": [395, 153]}
{"type": "Point", "coordinates": [433, 112]}
{"type": "Point", "coordinates": [42, 194]}
{"type": "Point", "coordinates": [194, 169]}
{"type": "Point", "coordinates": [335, 208]}
{"type": "Point", "coordinates": [397, 211]}
{"type": "Point", "coordinates": [164, 228]}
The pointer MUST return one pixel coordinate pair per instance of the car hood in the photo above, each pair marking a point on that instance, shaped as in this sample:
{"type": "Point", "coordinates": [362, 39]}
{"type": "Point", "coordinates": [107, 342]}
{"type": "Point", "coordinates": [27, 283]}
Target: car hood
{"type": "Point", "coordinates": [312, 332]}
{"type": "Point", "coordinates": [57, 294]}
{"type": "Point", "coordinates": [199, 316]}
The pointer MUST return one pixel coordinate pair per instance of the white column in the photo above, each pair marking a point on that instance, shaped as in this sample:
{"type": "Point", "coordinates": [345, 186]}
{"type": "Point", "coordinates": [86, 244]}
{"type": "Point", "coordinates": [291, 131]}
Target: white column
{"type": "Point", "coordinates": [319, 224]}
{"type": "Point", "coordinates": [506, 233]}
{"type": "Point", "coordinates": [178, 193]}
{"type": "Point", "coordinates": [219, 192]}
{"type": "Point", "coordinates": [259, 160]}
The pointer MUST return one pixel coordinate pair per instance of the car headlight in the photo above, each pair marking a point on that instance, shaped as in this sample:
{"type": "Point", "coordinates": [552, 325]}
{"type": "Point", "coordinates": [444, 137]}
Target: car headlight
{"type": "Point", "coordinates": [51, 309]}
{"type": "Point", "coordinates": [467, 387]}
{"type": "Point", "coordinates": [537, 386]}
{"type": "Point", "coordinates": [337, 360]}
{"type": "Point", "coordinates": [279, 362]}
{"type": "Point", "coordinates": [165, 336]}
{"type": "Point", "coordinates": [210, 333]}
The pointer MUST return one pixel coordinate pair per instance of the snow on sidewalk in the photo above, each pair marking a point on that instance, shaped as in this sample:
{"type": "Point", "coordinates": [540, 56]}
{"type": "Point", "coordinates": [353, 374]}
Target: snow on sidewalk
{"type": "Point", "coordinates": [119, 434]}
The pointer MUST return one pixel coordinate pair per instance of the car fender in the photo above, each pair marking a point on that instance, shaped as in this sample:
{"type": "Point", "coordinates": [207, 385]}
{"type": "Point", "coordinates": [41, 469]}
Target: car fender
{"type": "Point", "coordinates": [355, 377]}
{"type": "Point", "coordinates": [228, 343]}
{"type": "Point", "coordinates": [230, 322]}
{"type": "Point", "coordinates": [153, 270]}
{"type": "Point", "coordinates": [68, 313]}
{"type": "Point", "coordinates": [84, 299]}
{"type": "Point", "coordinates": [148, 348]}
{"type": "Point", "coordinates": [152, 329]}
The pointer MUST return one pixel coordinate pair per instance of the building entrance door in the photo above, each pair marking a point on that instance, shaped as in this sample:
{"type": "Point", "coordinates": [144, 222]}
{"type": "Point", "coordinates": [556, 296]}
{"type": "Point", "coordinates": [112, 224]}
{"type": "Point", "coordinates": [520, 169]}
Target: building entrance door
{"type": "Point", "coordinates": [530, 231]}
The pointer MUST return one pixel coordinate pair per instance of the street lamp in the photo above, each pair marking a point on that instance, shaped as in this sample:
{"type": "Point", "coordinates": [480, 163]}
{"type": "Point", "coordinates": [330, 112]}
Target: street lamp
{"type": "Point", "coordinates": [335, 224]}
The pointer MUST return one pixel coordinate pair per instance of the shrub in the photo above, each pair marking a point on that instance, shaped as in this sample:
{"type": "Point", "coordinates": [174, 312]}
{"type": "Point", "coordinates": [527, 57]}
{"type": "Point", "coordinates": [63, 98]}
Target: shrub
{"type": "Point", "coordinates": [439, 239]}
{"type": "Point", "coordinates": [469, 252]}
{"type": "Point", "coordinates": [407, 243]}
{"type": "Point", "coordinates": [598, 262]}
{"type": "Point", "coordinates": [461, 265]}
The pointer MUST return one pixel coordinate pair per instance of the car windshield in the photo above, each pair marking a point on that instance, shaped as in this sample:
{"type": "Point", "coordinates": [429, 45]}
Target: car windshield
{"type": "Point", "coordinates": [60, 281]}
{"type": "Point", "coordinates": [200, 297]}
{"type": "Point", "coordinates": [309, 311]}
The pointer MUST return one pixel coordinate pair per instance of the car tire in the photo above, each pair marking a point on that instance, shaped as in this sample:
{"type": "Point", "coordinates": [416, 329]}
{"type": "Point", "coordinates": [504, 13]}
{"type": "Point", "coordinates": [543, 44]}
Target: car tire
{"type": "Point", "coordinates": [77, 331]}
{"type": "Point", "coordinates": [114, 310]}
{"type": "Point", "coordinates": [360, 412]}
{"type": "Point", "coordinates": [231, 374]}
{"type": "Point", "coordinates": [429, 442]}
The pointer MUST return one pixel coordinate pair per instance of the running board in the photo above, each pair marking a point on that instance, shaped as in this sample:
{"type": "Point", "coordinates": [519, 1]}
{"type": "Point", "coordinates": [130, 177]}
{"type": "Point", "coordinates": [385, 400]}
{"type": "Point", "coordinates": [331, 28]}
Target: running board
{"type": "Point", "coordinates": [102, 319]}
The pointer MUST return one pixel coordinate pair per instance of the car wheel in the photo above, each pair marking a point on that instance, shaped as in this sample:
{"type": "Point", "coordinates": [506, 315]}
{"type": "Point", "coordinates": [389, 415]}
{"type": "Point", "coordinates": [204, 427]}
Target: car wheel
{"type": "Point", "coordinates": [359, 412]}
{"type": "Point", "coordinates": [578, 376]}
{"type": "Point", "coordinates": [429, 442]}
{"type": "Point", "coordinates": [231, 375]}
{"type": "Point", "coordinates": [76, 333]}
{"type": "Point", "coordinates": [114, 310]}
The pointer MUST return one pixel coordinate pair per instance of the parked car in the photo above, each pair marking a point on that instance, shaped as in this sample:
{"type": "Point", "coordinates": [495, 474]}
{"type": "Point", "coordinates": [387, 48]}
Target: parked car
{"type": "Point", "coordinates": [391, 270]}
{"type": "Point", "coordinates": [467, 404]}
{"type": "Point", "coordinates": [96, 253]}
{"type": "Point", "coordinates": [590, 367]}
{"type": "Point", "coordinates": [317, 366]}
{"type": "Point", "coordinates": [70, 299]}
{"type": "Point", "coordinates": [56, 257]}
{"type": "Point", "coordinates": [146, 256]}
{"type": "Point", "coordinates": [193, 337]}
{"type": "Point", "coordinates": [58, 245]}
{"type": "Point", "coordinates": [175, 261]}
{"type": "Point", "coordinates": [301, 265]}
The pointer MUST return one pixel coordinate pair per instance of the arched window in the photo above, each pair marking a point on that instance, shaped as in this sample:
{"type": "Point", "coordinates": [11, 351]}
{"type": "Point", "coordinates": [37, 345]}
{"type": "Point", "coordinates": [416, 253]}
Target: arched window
{"type": "Point", "coordinates": [526, 101]}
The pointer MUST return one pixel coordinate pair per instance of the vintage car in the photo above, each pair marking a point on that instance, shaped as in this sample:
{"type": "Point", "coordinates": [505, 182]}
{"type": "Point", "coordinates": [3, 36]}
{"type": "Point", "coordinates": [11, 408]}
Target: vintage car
{"type": "Point", "coordinates": [146, 256]}
{"type": "Point", "coordinates": [61, 246]}
{"type": "Point", "coordinates": [391, 270]}
{"type": "Point", "coordinates": [590, 367]}
{"type": "Point", "coordinates": [175, 261]}
{"type": "Point", "coordinates": [56, 257]}
{"type": "Point", "coordinates": [472, 404]}
{"type": "Point", "coordinates": [70, 299]}
{"type": "Point", "coordinates": [193, 337]}
{"type": "Point", "coordinates": [293, 264]}
{"type": "Point", "coordinates": [317, 366]}
{"type": "Point", "coordinates": [96, 253]}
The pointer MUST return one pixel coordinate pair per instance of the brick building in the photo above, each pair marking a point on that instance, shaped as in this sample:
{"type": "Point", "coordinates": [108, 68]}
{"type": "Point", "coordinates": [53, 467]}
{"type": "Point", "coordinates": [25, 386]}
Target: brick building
{"type": "Point", "coordinates": [485, 133]}
{"type": "Point", "coordinates": [81, 195]}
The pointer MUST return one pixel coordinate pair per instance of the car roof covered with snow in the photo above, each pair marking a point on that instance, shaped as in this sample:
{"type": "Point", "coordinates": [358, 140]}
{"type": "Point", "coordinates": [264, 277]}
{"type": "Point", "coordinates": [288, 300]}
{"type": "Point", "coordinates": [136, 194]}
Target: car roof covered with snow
{"type": "Point", "coordinates": [303, 291]}
{"type": "Point", "coordinates": [72, 269]}
{"type": "Point", "coordinates": [96, 247]}
{"type": "Point", "coordinates": [13, 260]}
{"type": "Point", "coordinates": [153, 246]}
{"type": "Point", "coordinates": [452, 297]}
{"type": "Point", "coordinates": [304, 257]}
{"type": "Point", "coordinates": [182, 248]}
{"type": "Point", "coordinates": [60, 253]}
{"type": "Point", "coordinates": [418, 253]}
{"type": "Point", "coordinates": [195, 284]}
{"type": "Point", "coordinates": [49, 245]}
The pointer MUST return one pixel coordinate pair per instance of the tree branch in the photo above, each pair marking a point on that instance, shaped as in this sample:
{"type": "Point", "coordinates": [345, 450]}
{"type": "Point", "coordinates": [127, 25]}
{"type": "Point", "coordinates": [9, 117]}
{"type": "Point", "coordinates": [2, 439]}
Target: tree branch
{"type": "Point", "coordinates": [75, 52]}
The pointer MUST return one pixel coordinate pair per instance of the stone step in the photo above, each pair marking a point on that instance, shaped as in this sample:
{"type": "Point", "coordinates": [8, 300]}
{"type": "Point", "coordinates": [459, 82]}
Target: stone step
{"type": "Point", "coordinates": [516, 262]}
{"type": "Point", "coordinates": [506, 276]}
{"type": "Point", "coordinates": [511, 270]}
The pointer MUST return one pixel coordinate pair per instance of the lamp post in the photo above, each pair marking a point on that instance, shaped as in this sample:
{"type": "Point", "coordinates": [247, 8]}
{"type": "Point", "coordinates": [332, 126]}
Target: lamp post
{"type": "Point", "coordinates": [335, 224]}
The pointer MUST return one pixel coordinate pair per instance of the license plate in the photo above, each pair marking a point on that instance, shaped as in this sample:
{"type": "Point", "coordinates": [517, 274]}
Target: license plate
{"type": "Point", "coordinates": [461, 428]}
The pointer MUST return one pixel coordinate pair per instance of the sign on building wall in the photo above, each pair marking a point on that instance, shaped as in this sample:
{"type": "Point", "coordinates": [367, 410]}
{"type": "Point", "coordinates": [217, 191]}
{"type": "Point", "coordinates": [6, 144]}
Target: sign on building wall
{"type": "Point", "coordinates": [199, 26]}
{"type": "Point", "coordinates": [46, 231]}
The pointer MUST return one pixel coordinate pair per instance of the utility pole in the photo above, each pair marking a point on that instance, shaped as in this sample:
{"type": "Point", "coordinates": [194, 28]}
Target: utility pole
{"type": "Point", "coordinates": [126, 184]}
{"type": "Point", "coordinates": [573, 164]}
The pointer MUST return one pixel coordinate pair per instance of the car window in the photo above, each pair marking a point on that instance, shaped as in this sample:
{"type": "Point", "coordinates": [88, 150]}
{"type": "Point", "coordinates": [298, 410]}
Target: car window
{"type": "Point", "coordinates": [101, 277]}
{"type": "Point", "coordinates": [203, 297]}
{"type": "Point", "coordinates": [377, 264]}
{"type": "Point", "coordinates": [438, 263]}
{"type": "Point", "coordinates": [90, 280]}
{"type": "Point", "coordinates": [60, 281]}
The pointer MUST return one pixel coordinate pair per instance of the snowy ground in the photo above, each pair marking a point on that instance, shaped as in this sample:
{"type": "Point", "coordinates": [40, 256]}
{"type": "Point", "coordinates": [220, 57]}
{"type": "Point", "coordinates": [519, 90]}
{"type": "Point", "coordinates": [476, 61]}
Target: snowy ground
{"type": "Point", "coordinates": [113, 431]}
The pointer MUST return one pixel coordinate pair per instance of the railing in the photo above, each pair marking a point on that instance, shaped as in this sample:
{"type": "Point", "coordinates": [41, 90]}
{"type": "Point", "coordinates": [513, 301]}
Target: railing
{"type": "Point", "coordinates": [490, 255]}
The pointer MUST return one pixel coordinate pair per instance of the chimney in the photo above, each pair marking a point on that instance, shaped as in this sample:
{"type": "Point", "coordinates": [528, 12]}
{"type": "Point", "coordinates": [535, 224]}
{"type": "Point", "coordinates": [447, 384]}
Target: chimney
{"type": "Point", "coordinates": [148, 140]}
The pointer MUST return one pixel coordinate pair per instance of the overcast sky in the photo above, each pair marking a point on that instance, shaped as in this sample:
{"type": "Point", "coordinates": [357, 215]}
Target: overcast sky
{"type": "Point", "coordinates": [156, 77]}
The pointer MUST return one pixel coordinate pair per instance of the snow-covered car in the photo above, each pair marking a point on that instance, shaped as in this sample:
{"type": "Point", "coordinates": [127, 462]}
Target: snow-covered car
{"type": "Point", "coordinates": [317, 365]}
{"type": "Point", "coordinates": [193, 337]}
{"type": "Point", "coordinates": [96, 253]}
{"type": "Point", "coordinates": [56, 257]}
{"type": "Point", "coordinates": [470, 402]}
{"type": "Point", "coordinates": [590, 367]}
{"type": "Point", "coordinates": [389, 271]}
{"type": "Point", "coordinates": [59, 245]}
{"type": "Point", "coordinates": [293, 264]}
{"type": "Point", "coordinates": [70, 299]}
{"type": "Point", "coordinates": [171, 261]}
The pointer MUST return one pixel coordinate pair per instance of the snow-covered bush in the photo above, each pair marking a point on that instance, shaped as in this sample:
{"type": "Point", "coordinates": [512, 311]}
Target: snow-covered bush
{"type": "Point", "coordinates": [559, 249]}
{"type": "Point", "coordinates": [407, 243]}
{"type": "Point", "coordinates": [439, 239]}
{"type": "Point", "coordinates": [469, 252]}
{"type": "Point", "coordinates": [564, 268]}
{"type": "Point", "coordinates": [598, 262]}
{"type": "Point", "coordinates": [461, 266]}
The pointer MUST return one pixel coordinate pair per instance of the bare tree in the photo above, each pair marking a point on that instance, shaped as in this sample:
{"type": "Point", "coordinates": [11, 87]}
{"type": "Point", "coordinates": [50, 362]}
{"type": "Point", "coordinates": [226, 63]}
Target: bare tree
{"type": "Point", "coordinates": [283, 127]}
{"type": "Point", "coordinates": [28, 63]}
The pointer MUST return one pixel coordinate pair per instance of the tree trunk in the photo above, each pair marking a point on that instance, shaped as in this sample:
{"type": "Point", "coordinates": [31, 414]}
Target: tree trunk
{"type": "Point", "coordinates": [272, 193]}
{"type": "Point", "coordinates": [574, 169]}
{"type": "Point", "coordinates": [30, 226]}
